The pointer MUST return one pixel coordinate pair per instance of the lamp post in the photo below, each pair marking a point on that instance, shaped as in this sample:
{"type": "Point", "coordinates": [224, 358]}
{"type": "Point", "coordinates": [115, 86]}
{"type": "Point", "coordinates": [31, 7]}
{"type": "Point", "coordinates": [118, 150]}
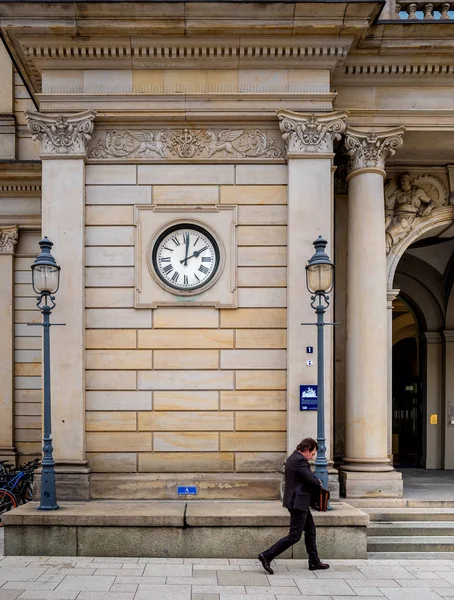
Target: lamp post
{"type": "Point", "coordinates": [46, 281]}
{"type": "Point", "coordinates": [319, 281]}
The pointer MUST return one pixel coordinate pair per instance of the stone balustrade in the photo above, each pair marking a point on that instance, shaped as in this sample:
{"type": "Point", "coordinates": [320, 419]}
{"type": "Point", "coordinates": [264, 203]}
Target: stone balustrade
{"type": "Point", "coordinates": [424, 11]}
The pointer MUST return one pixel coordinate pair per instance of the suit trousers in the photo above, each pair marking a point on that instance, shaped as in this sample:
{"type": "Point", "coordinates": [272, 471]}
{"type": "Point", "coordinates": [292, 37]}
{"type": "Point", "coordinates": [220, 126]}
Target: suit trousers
{"type": "Point", "coordinates": [300, 520]}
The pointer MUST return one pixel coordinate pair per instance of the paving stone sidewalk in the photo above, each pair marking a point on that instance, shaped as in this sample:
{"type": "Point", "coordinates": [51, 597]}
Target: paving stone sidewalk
{"type": "Point", "coordinates": [87, 578]}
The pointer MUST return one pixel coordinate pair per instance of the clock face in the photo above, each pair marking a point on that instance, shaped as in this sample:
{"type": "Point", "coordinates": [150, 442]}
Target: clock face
{"type": "Point", "coordinates": [186, 257]}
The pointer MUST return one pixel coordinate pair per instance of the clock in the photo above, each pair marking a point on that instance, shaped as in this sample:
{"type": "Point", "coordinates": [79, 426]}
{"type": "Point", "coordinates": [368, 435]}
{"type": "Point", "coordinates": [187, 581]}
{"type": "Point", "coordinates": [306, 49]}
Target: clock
{"type": "Point", "coordinates": [186, 258]}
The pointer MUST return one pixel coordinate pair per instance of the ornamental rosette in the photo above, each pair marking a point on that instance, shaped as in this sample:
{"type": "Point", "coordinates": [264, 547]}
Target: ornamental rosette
{"type": "Point", "coordinates": [8, 239]}
{"type": "Point", "coordinates": [311, 133]}
{"type": "Point", "coordinates": [62, 134]}
{"type": "Point", "coordinates": [370, 150]}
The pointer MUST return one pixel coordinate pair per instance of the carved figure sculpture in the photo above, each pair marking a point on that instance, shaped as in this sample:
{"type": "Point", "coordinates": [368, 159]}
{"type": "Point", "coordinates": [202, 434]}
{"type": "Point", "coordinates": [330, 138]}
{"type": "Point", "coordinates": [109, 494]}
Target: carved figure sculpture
{"type": "Point", "coordinates": [409, 202]}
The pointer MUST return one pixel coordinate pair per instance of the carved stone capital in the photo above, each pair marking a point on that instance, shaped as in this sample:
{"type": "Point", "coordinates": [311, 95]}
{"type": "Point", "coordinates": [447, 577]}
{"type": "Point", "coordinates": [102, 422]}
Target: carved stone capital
{"type": "Point", "coordinates": [305, 133]}
{"type": "Point", "coordinates": [8, 239]}
{"type": "Point", "coordinates": [370, 149]}
{"type": "Point", "coordinates": [59, 135]}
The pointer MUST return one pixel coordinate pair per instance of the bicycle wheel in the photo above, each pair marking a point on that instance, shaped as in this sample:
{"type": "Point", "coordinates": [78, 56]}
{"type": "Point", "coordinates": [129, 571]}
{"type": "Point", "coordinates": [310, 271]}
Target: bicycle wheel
{"type": "Point", "coordinates": [7, 502]}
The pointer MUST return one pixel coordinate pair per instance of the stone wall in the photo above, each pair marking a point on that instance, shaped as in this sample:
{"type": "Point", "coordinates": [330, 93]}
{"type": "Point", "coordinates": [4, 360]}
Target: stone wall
{"type": "Point", "coordinates": [186, 389]}
{"type": "Point", "coordinates": [27, 344]}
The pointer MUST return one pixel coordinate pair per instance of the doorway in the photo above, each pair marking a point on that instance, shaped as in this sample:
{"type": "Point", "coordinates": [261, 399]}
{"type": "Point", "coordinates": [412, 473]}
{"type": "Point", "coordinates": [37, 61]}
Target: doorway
{"type": "Point", "coordinates": [407, 388]}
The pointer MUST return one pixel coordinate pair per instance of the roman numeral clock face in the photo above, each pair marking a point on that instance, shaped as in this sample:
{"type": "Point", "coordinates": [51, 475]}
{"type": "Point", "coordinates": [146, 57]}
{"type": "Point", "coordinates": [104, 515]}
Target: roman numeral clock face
{"type": "Point", "coordinates": [186, 257]}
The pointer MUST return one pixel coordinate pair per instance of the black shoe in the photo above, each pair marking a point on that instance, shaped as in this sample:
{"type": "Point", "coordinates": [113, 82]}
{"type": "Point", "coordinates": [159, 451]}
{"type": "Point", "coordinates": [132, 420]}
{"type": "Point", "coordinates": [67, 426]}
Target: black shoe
{"type": "Point", "coordinates": [265, 564]}
{"type": "Point", "coordinates": [318, 566]}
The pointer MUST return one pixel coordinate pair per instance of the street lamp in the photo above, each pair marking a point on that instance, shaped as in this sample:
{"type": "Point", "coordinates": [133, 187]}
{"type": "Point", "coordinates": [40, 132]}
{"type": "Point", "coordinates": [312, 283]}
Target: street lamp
{"type": "Point", "coordinates": [45, 282]}
{"type": "Point", "coordinates": [319, 282]}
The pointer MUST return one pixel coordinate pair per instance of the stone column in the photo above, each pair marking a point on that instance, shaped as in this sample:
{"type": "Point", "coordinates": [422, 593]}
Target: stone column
{"type": "Point", "coordinates": [448, 420]}
{"type": "Point", "coordinates": [309, 142]}
{"type": "Point", "coordinates": [367, 470]}
{"type": "Point", "coordinates": [391, 296]}
{"type": "Point", "coordinates": [8, 241]}
{"type": "Point", "coordinates": [63, 144]}
{"type": "Point", "coordinates": [434, 399]}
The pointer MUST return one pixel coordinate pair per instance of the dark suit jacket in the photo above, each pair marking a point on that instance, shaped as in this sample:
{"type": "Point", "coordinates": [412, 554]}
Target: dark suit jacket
{"type": "Point", "coordinates": [300, 482]}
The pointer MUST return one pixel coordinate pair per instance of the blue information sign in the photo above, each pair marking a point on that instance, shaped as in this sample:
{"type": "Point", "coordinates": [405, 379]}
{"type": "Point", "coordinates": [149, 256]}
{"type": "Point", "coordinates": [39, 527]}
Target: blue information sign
{"type": "Point", "coordinates": [187, 490]}
{"type": "Point", "coordinates": [308, 397]}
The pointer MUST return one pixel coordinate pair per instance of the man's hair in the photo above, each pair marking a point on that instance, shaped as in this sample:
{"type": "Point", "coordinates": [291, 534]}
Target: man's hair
{"type": "Point", "coordinates": [307, 444]}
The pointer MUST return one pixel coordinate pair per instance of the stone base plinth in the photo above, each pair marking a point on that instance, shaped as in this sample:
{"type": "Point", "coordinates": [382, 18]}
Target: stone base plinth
{"type": "Point", "coordinates": [177, 529]}
{"type": "Point", "coordinates": [72, 483]}
{"type": "Point", "coordinates": [371, 484]}
{"type": "Point", "coordinates": [164, 486]}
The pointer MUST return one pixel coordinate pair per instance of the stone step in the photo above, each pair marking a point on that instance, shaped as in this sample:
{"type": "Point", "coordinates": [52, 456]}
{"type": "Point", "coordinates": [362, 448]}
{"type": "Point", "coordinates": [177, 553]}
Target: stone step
{"type": "Point", "coordinates": [411, 528]}
{"type": "Point", "coordinates": [365, 503]}
{"type": "Point", "coordinates": [448, 556]}
{"type": "Point", "coordinates": [409, 514]}
{"type": "Point", "coordinates": [410, 543]}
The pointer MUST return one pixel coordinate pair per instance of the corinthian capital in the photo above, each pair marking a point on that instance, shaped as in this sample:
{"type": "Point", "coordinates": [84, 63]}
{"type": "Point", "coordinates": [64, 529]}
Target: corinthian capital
{"type": "Point", "coordinates": [370, 149]}
{"type": "Point", "coordinates": [306, 133]}
{"type": "Point", "coordinates": [8, 239]}
{"type": "Point", "coordinates": [62, 134]}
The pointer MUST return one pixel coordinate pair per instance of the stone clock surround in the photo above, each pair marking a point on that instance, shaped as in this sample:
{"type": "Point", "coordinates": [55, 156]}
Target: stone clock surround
{"type": "Point", "coordinates": [308, 140]}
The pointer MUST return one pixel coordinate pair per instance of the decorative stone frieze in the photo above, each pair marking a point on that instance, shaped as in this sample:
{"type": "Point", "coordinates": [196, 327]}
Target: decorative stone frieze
{"type": "Point", "coordinates": [370, 149]}
{"type": "Point", "coordinates": [62, 134]}
{"type": "Point", "coordinates": [408, 202]}
{"type": "Point", "coordinates": [311, 133]}
{"type": "Point", "coordinates": [8, 239]}
{"type": "Point", "coordinates": [186, 144]}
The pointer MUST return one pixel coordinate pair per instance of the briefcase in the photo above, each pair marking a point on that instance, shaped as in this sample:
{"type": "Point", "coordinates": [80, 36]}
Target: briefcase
{"type": "Point", "coordinates": [320, 500]}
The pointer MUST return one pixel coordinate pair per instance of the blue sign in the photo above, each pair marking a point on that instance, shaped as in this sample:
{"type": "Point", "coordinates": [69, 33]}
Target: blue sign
{"type": "Point", "coordinates": [187, 490]}
{"type": "Point", "coordinates": [308, 397]}
{"type": "Point", "coordinates": [309, 349]}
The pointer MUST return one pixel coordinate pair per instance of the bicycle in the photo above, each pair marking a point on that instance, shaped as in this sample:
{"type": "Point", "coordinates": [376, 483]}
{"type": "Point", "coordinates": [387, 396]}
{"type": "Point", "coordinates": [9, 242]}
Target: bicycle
{"type": "Point", "coordinates": [16, 485]}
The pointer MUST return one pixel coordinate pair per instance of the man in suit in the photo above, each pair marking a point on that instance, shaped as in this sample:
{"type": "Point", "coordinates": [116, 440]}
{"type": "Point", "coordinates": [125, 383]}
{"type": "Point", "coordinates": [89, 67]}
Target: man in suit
{"type": "Point", "coordinates": [300, 485]}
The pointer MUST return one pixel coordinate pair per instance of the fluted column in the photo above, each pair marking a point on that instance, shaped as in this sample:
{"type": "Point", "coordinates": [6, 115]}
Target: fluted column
{"type": "Point", "coordinates": [309, 141]}
{"type": "Point", "coordinates": [63, 145]}
{"type": "Point", "coordinates": [8, 241]}
{"type": "Point", "coordinates": [367, 470]}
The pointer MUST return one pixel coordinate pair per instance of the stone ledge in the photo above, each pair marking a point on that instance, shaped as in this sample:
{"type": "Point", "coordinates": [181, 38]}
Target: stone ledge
{"type": "Point", "coordinates": [178, 514]}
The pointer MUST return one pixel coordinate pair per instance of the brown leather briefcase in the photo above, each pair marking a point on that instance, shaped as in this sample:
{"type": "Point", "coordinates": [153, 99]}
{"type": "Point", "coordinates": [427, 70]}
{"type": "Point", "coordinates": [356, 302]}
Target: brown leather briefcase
{"type": "Point", "coordinates": [320, 500]}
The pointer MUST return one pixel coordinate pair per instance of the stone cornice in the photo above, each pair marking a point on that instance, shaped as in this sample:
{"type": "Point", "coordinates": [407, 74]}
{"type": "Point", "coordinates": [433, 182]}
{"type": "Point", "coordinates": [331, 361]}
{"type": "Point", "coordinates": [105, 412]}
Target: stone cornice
{"type": "Point", "coordinates": [62, 135]}
{"type": "Point", "coordinates": [368, 150]}
{"type": "Point", "coordinates": [310, 133]}
{"type": "Point", "coordinates": [8, 239]}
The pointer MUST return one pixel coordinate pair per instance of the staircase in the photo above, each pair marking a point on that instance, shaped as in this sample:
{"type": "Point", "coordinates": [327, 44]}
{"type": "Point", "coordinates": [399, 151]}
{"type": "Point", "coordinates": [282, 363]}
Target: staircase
{"type": "Point", "coordinates": [416, 529]}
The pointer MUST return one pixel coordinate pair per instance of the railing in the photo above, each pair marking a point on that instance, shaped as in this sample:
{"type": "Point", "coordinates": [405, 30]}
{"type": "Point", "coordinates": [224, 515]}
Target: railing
{"type": "Point", "coordinates": [424, 11]}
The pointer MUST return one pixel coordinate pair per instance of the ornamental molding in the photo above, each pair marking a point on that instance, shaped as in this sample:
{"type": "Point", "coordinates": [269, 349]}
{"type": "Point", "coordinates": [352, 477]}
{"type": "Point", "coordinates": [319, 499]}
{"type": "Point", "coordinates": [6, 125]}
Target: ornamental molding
{"type": "Point", "coordinates": [396, 69]}
{"type": "Point", "coordinates": [8, 239]}
{"type": "Point", "coordinates": [186, 144]}
{"type": "Point", "coordinates": [62, 134]}
{"type": "Point", "coordinates": [369, 150]}
{"type": "Point", "coordinates": [410, 202]}
{"type": "Point", "coordinates": [20, 188]}
{"type": "Point", "coordinates": [311, 133]}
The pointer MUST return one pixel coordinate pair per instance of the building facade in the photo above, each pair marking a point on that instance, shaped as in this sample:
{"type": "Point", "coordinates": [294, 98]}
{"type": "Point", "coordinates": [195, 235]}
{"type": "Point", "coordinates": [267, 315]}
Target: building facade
{"type": "Point", "coordinates": [183, 157]}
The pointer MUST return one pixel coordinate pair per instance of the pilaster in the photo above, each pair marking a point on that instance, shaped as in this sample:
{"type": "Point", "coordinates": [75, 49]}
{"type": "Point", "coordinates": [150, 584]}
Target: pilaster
{"type": "Point", "coordinates": [63, 146]}
{"type": "Point", "coordinates": [434, 399]}
{"type": "Point", "coordinates": [309, 142]}
{"type": "Point", "coordinates": [390, 297]}
{"type": "Point", "coordinates": [367, 470]}
{"type": "Point", "coordinates": [8, 241]}
{"type": "Point", "coordinates": [448, 373]}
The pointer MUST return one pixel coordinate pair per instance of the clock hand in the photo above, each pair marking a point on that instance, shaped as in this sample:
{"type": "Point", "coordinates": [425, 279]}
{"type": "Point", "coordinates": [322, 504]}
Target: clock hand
{"type": "Point", "coordinates": [196, 253]}
{"type": "Point", "coordinates": [187, 248]}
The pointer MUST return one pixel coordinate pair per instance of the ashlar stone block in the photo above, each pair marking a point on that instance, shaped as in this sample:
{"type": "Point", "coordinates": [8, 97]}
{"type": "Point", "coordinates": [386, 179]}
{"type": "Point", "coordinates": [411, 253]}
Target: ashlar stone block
{"type": "Point", "coordinates": [109, 277]}
{"type": "Point", "coordinates": [109, 215]}
{"type": "Point", "coordinates": [186, 359]}
{"type": "Point", "coordinates": [185, 442]}
{"type": "Point", "coordinates": [262, 256]}
{"type": "Point", "coordinates": [109, 236]}
{"type": "Point", "coordinates": [181, 338]}
{"type": "Point", "coordinates": [109, 297]}
{"type": "Point", "coordinates": [193, 462]}
{"type": "Point", "coordinates": [111, 421]}
{"type": "Point", "coordinates": [253, 359]}
{"type": "Point", "coordinates": [190, 317]}
{"type": "Point", "coordinates": [118, 359]}
{"type": "Point", "coordinates": [262, 277]}
{"type": "Point", "coordinates": [261, 174]}
{"type": "Point", "coordinates": [185, 380]}
{"type": "Point", "coordinates": [264, 400]}
{"type": "Point", "coordinates": [261, 380]}
{"type": "Point", "coordinates": [110, 338]}
{"type": "Point", "coordinates": [185, 194]}
{"type": "Point", "coordinates": [186, 400]}
{"type": "Point", "coordinates": [262, 215]}
{"type": "Point", "coordinates": [119, 442]}
{"type": "Point", "coordinates": [110, 174]}
{"type": "Point", "coordinates": [266, 441]}
{"type": "Point", "coordinates": [261, 421]}
{"type": "Point", "coordinates": [112, 462]}
{"type": "Point", "coordinates": [185, 421]}
{"type": "Point", "coordinates": [110, 380]}
{"type": "Point", "coordinates": [118, 194]}
{"type": "Point", "coordinates": [254, 317]}
{"type": "Point", "coordinates": [253, 194]}
{"type": "Point", "coordinates": [261, 338]}
{"type": "Point", "coordinates": [118, 400]}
